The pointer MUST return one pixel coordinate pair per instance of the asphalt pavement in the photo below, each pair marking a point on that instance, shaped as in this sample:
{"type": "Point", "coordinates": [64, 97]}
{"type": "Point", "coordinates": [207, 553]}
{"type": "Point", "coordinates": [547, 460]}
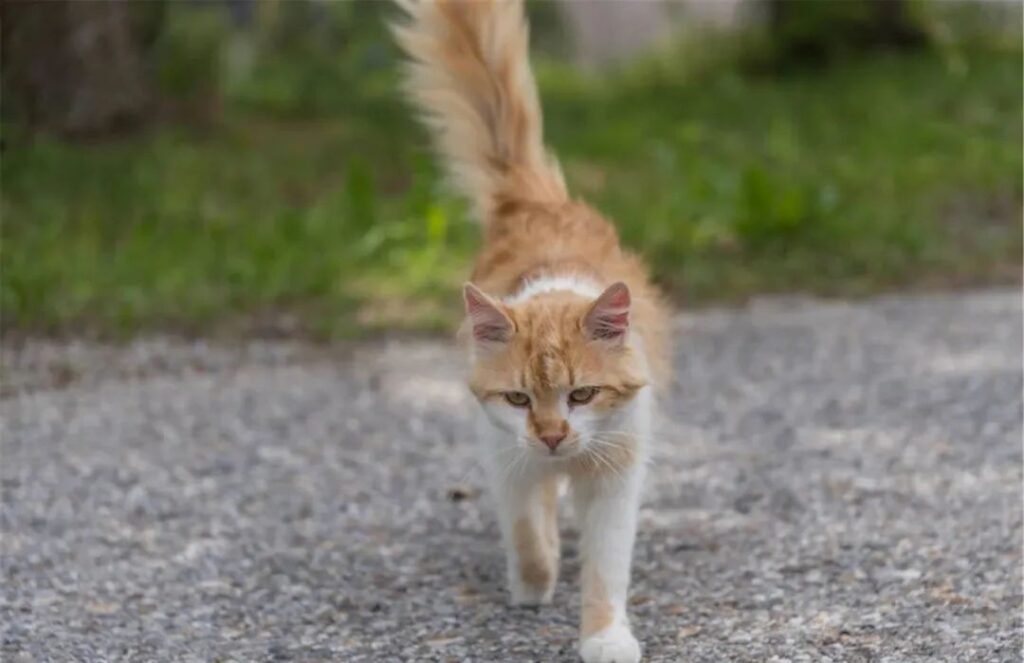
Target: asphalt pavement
{"type": "Point", "coordinates": [832, 481]}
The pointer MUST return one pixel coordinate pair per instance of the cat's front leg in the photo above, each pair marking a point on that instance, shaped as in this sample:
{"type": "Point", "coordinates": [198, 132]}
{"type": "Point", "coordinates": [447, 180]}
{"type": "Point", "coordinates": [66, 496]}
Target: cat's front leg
{"type": "Point", "coordinates": [608, 510]}
{"type": "Point", "coordinates": [527, 513]}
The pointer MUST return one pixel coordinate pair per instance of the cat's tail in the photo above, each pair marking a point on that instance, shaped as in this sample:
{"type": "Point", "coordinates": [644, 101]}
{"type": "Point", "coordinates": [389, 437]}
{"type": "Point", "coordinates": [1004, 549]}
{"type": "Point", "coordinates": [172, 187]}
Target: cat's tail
{"type": "Point", "coordinates": [469, 72]}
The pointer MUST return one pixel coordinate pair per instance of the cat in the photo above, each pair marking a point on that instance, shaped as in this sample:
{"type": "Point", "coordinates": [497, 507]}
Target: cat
{"type": "Point", "coordinates": [567, 337]}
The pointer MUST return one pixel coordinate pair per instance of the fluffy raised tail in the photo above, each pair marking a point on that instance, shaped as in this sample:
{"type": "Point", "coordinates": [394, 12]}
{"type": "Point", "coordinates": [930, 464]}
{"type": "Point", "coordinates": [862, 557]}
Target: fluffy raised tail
{"type": "Point", "coordinates": [469, 72]}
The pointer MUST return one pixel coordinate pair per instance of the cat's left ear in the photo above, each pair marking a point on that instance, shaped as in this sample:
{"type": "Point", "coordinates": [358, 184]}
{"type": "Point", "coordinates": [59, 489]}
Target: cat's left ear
{"type": "Point", "coordinates": [490, 323]}
{"type": "Point", "coordinates": [608, 317]}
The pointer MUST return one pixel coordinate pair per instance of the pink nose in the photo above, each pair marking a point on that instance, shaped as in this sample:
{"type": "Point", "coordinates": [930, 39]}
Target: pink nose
{"type": "Point", "coordinates": [552, 439]}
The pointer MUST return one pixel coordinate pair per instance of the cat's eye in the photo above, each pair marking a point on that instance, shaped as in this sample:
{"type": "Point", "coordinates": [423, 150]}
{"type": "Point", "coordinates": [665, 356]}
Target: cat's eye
{"type": "Point", "coordinates": [582, 396]}
{"type": "Point", "coordinates": [517, 398]}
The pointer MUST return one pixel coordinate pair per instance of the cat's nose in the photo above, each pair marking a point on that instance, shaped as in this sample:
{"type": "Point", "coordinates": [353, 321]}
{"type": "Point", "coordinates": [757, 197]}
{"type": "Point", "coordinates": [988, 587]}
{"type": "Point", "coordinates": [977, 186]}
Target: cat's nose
{"type": "Point", "coordinates": [552, 439]}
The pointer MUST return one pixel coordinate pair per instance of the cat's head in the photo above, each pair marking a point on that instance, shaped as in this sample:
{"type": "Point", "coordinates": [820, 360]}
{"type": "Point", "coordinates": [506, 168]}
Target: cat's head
{"type": "Point", "coordinates": [559, 371]}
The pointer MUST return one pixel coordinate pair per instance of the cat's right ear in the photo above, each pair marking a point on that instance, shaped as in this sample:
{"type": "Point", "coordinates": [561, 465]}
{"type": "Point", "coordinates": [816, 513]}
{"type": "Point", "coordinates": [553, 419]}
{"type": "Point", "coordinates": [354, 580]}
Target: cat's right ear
{"type": "Point", "coordinates": [608, 317]}
{"type": "Point", "coordinates": [490, 323]}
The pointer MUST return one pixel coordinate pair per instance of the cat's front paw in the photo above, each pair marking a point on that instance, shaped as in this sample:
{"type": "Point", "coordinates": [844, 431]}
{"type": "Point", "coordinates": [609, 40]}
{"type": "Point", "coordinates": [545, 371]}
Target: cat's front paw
{"type": "Point", "coordinates": [526, 595]}
{"type": "Point", "coordinates": [612, 645]}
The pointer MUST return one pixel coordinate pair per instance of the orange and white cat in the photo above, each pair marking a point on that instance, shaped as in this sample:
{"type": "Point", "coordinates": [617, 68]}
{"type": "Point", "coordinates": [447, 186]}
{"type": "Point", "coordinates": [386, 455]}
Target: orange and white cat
{"type": "Point", "coordinates": [567, 336]}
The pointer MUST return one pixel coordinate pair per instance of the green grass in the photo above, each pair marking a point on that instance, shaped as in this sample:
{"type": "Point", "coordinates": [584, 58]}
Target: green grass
{"type": "Point", "coordinates": [892, 171]}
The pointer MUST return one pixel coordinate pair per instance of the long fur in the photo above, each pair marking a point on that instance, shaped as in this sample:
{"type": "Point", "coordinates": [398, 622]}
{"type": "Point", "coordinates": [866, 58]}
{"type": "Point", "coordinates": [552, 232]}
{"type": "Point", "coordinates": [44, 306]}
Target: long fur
{"type": "Point", "coordinates": [469, 73]}
{"type": "Point", "coordinates": [556, 306]}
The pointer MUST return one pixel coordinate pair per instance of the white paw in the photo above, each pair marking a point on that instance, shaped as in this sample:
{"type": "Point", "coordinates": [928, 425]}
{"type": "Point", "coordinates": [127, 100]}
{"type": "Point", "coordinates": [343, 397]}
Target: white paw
{"type": "Point", "coordinates": [526, 595]}
{"type": "Point", "coordinates": [612, 645]}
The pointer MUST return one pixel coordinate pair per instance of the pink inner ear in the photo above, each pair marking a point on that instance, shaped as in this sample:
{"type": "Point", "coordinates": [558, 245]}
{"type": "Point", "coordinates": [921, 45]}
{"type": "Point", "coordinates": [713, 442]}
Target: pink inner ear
{"type": "Point", "coordinates": [490, 324]}
{"type": "Point", "coordinates": [610, 328]}
{"type": "Point", "coordinates": [483, 331]}
{"type": "Point", "coordinates": [608, 318]}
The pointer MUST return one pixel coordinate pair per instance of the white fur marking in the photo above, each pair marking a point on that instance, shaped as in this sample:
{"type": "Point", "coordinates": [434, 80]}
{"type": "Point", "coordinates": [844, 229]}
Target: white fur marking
{"type": "Point", "coordinates": [575, 284]}
{"type": "Point", "coordinates": [607, 507]}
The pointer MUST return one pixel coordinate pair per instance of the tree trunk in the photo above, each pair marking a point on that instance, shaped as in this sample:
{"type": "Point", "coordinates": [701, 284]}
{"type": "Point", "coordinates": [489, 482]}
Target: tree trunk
{"type": "Point", "coordinates": [72, 67]}
{"type": "Point", "coordinates": [816, 30]}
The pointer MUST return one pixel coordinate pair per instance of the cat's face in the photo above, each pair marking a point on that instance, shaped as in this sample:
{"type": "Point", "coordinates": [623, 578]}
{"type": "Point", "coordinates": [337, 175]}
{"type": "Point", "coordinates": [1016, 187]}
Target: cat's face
{"type": "Point", "coordinates": [558, 371]}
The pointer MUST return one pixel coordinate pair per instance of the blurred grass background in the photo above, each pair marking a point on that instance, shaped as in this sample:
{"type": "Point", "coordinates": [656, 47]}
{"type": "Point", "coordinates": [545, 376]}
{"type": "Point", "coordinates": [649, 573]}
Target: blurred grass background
{"type": "Point", "coordinates": [282, 187]}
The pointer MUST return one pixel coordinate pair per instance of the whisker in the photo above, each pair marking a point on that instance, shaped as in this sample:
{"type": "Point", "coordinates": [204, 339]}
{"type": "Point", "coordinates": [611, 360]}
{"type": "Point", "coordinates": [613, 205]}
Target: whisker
{"type": "Point", "coordinates": [616, 471]}
{"type": "Point", "coordinates": [607, 463]}
{"type": "Point", "coordinates": [614, 438]}
{"type": "Point", "coordinates": [600, 441]}
{"type": "Point", "coordinates": [508, 469]}
{"type": "Point", "coordinates": [608, 443]}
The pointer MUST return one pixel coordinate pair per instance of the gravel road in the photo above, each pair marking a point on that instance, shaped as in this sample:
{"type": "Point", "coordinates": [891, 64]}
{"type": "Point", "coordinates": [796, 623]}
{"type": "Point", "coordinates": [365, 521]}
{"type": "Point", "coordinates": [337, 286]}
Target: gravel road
{"type": "Point", "coordinates": [832, 481]}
